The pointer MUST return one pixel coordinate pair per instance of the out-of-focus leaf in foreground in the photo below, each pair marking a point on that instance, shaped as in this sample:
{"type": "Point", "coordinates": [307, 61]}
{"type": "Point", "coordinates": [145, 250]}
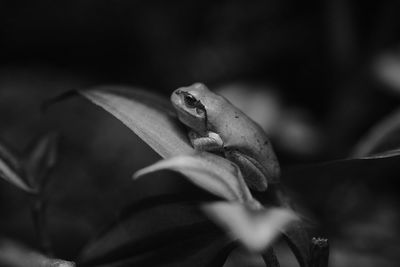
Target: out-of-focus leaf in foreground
{"type": "Point", "coordinates": [11, 169]}
{"type": "Point", "coordinates": [243, 217]}
{"type": "Point", "coordinates": [211, 172]}
{"type": "Point", "coordinates": [255, 228]}
{"type": "Point", "coordinates": [166, 230]}
{"type": "Point", "coordinates": [383, 140]}
{"type": "Point", "coordinates": [387, 69]}
{"type": "Point", "coordinates": [14, 255]}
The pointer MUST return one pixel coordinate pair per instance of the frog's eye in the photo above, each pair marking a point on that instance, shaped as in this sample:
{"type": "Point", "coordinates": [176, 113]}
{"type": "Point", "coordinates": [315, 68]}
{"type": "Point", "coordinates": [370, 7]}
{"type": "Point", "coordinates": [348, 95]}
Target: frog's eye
{"type": "Point", "coordinates": [190, 101]}
{"type": "Point", "coordinates": [200, 110]}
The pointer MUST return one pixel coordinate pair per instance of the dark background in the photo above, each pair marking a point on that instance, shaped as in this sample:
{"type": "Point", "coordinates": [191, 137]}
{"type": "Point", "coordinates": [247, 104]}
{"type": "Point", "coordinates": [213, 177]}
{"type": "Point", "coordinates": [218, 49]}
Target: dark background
{"type": "Point", "coordinates": [317, 53]}
{"type": "Point", "coordinates": [321, 58]}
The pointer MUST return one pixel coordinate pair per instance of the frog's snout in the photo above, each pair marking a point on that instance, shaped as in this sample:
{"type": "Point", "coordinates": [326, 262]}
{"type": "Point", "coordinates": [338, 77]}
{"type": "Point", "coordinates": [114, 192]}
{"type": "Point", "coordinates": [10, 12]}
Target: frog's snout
{"type": "Point", "coordinates": [176, 98]}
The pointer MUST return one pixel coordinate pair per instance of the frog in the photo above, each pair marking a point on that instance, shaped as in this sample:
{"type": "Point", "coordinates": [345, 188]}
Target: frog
{"type": "Point", "coordinates": [215, 125]}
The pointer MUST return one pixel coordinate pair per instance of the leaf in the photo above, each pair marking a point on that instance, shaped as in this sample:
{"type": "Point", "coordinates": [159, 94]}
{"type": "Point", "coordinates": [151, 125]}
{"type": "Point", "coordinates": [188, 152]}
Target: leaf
{"type": "Point", "coordinates": [15, 255]}
{"type": "Point", "coordinates": [208, 171]}
{"type": "Point", "coordinates": [166, 230]}
{"type": "Point", "coordinates": [295, 234]}
{"type": "Point", "coordinates": [374, 170]}
{"type": "Point", "coordinates": [298, 240]}
{"type": "Point", "coordinates": [40, 158]}
{"type": "Point", "coordinates": [387, 69]}
{"type": "Point", "coordinates": [270, 258]}
{"type": "Point", "coordinates": [315, 182]}
{"type": "Point", "coordinates": [383, 139]}
{"type": "Point", "coordinates": [150, 116]}
{"type": "Point", "coordinates": [257, 229]}
{"type": "Point", "coordinates": [11, 170]}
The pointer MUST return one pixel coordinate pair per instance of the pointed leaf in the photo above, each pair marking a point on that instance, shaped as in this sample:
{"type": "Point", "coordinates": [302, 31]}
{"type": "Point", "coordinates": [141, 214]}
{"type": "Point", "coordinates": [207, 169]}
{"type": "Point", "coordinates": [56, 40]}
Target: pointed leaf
{"type": "Point", "coordinates": [11, 170]}
{"type": "Point", "coordinates": [209, 171]}
{"type": "Point", "coordinates": [383, 139]}
{"type": "Point", "coordinates": [150, 116]}
{"type": "Point", "coordinates": [167, 230]}
{"type": "Point", "coordinates": [295, 234]}
{"type": "Point", "coordinates": [41, 157]}
{"type": "Point", "coordinates": [257, 229]}
{"type": "Point", "coordinates": [377, 170]}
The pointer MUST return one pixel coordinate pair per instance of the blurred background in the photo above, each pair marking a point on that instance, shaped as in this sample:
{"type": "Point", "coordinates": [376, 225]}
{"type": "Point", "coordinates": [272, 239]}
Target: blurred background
{"type": "Point", "coordinates": [316, 75]}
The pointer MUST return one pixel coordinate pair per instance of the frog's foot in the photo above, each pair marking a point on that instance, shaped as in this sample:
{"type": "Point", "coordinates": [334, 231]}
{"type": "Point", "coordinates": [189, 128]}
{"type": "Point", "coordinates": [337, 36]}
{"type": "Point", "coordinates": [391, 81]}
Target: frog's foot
{"type": "Point", "coordinates": [252, 171]}
{"type": "Point", "coordinates": [210, 142]}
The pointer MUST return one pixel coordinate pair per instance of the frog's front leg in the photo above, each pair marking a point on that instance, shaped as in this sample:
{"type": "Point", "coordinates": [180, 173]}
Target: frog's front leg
{"type": "Point", "coordinates": [209, 142]}
{"type": "Point", "coordinates": [253, 172]}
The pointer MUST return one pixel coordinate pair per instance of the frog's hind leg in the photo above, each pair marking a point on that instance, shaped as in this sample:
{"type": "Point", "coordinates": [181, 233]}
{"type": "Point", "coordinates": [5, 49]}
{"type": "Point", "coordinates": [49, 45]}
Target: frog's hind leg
{"type": "Point", "coordinates": [210, 142]}
{"type": "Point", "coordinates": [250, 168]}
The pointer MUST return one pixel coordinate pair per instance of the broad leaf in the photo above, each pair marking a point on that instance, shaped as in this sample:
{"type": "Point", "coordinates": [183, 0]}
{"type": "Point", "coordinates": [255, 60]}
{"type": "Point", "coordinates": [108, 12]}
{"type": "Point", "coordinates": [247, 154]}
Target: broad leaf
{"type": "Point", "coordinates": [167, 230]}
{"type": "Point", "coordinates": [208, 171]}
{"type": "Point", "coordinates": [150, 116]}
{"type": "Point", "coordinates": [383, 139]}
{"type": "Point", "coordinates": [12, 170]}
{"type": "Point", "coordinates": [255, 228]}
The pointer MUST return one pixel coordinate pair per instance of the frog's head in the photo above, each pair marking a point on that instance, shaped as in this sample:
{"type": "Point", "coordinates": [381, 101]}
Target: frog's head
{"type": "Point", "coordinates": [189, 104]}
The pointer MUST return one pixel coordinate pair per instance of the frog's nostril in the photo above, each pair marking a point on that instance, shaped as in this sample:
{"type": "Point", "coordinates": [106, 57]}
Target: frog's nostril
{"type": "Point", "coordinates": [178, 92]}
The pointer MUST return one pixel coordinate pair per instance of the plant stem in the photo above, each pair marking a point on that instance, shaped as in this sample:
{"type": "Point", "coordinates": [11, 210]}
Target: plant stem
{"type": "Point", "coordinates": [40, 224]}
{"type": "Point", "coordinates": [270, 258]}
{"type": "Point", "coordinates": [319, 252]}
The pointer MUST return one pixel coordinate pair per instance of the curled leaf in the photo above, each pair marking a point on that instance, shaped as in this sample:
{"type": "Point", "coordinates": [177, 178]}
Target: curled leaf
{"type": "Point", "coordinates": [257, 229]}
{"type": "Point", "coordinates": [209, 171]}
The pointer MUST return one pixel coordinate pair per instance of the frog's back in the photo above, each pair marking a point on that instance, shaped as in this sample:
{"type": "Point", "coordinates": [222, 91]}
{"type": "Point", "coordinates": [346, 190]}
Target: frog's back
{"type": "Point", "coordinates": [241, 133]}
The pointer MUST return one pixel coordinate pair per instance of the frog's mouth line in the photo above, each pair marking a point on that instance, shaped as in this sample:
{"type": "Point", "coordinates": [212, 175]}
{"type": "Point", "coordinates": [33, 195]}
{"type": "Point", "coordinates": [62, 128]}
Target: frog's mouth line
{"type": "Point", "coordinates": [190, 114]}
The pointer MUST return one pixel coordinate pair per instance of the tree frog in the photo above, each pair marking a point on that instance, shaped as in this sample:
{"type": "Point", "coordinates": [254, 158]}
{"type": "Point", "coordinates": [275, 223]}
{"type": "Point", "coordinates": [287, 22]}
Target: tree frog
{"type": "Point", "coordinates": [215, 125]}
